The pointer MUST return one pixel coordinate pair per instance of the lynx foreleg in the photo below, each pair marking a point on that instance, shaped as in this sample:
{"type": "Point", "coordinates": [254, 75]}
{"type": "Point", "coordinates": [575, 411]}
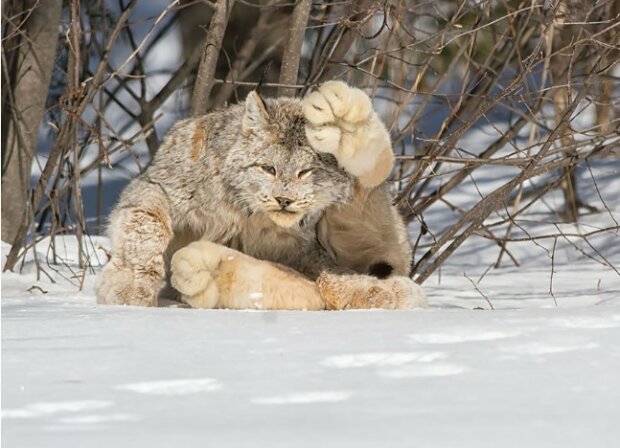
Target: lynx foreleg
{"type": "Point", "coordinates": [209, 275]}
{"type": "Point", "coordinates": [135, 274]}
{"type": "Point", "coordinates": [341, 122]}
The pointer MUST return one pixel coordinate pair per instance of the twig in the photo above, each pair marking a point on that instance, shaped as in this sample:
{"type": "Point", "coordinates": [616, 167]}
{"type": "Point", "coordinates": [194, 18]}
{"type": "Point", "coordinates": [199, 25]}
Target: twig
{"type": "Point", "coordinates": [555, 242]}
{"type": "Point", "coordinates": [479, 291]}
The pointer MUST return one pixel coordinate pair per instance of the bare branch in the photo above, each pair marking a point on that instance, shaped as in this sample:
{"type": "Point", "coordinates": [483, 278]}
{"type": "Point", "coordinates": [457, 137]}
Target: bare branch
{"type": "Point", "coordinates": [208, 62]}
{"type": "Point", "coordinates": [292, 50]}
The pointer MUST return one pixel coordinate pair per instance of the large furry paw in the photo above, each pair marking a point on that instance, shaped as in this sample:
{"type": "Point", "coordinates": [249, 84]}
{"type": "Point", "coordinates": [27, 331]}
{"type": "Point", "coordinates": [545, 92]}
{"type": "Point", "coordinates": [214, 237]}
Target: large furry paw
{"type": "Point", "coordinates": [192, 273]}
{"type": "Point", "coordinates": [341, 292]}
{"type": "Point", "coordinates": [117, 285]}
{"type": "Point", "coordinates": [341, 122]}
{"type": "Point", "coordinates": [407, 293]}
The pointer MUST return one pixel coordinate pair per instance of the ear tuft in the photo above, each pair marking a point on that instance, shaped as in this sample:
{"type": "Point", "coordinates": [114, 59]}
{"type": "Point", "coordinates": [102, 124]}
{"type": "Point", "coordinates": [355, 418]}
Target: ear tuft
{"type": "Point", "coordinates": [256, 116]}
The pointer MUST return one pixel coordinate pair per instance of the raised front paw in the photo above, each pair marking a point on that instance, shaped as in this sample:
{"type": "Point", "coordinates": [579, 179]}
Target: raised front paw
{"type": "Point", "coordinates": [192, 273]}
{"type": "Point", "coordinates": [341, 121]}
{"type": "Point", "coordinates": [337, 103]}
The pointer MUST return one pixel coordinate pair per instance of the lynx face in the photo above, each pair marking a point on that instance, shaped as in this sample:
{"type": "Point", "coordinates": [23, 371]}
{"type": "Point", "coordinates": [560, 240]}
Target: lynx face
{"type": "Point", "coordinates": [290, 183]}
{"type": "Point", "coordinates": [277, 172]}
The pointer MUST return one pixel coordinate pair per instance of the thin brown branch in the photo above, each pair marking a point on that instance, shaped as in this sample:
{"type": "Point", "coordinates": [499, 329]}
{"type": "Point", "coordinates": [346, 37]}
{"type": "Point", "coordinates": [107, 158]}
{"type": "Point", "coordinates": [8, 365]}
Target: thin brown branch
{"type": "Point", "coordinates": [208, 62]}
{"type": "Point", "coordinates": [292, 51]}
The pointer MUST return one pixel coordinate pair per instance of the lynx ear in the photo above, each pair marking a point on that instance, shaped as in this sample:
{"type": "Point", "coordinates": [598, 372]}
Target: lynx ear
{"type": "Point", "coordinates": [256, 115]}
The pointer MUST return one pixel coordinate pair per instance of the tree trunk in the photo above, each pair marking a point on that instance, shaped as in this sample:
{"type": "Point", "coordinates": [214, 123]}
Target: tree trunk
{"type": "Point", "coordinates": [29, 54]}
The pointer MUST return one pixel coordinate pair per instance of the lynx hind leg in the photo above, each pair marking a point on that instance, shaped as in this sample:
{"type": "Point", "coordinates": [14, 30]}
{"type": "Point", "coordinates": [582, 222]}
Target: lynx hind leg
{"type": "Point", "coordinates": [342, 292]}
{"type": "Point", "coordinates": [136, 272]}
{"type": "Point", "coordinates": [213, 276]}
{"type": "Point", "coordinates": [192, 272]}
{"type": "Point", "coordinates": [367, 234]}
{"type": "Point", "coordinates": [341, 122]}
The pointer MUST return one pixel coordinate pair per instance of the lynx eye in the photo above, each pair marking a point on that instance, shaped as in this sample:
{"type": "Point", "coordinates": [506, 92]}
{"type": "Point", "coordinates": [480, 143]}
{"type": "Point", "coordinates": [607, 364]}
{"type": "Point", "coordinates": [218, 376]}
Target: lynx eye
{"type": "Point", "coordinates": [304, 173]}
{"type": "Point", "coordinates": [268, 169]}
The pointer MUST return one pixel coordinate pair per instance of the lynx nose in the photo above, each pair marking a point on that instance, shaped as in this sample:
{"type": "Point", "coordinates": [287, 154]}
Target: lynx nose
{"type": "Point", "coordinates": [284, 202]}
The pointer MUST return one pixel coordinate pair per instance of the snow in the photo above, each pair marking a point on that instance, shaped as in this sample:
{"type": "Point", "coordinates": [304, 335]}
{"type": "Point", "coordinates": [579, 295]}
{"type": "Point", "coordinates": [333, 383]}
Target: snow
{"type": "Point", "coordinates": [77, 374]}
{"type": "Point", "coordinates": [526, 374]}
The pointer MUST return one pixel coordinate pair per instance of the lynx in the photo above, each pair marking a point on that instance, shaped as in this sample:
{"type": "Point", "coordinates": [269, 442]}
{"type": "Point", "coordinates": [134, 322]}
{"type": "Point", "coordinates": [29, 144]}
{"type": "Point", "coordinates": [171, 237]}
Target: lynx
{"type": "Point", "coordinates": [273, 204]}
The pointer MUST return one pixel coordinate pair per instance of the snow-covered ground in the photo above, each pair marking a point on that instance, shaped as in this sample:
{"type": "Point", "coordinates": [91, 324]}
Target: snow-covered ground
{"type": "Point", "coordinates": [527, 374]}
